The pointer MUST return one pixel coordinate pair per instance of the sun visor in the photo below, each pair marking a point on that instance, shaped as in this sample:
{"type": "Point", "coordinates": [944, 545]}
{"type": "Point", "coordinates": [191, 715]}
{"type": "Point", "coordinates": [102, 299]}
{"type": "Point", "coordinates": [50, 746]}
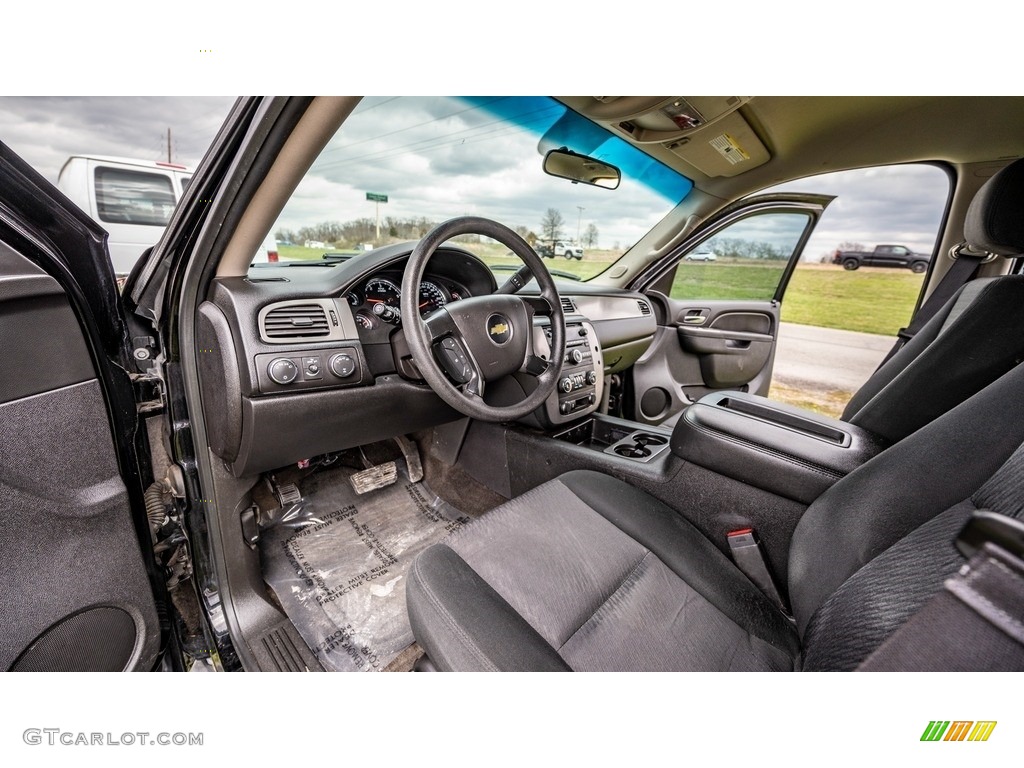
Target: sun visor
{"type": "Point", "coordinates": [729, 147]}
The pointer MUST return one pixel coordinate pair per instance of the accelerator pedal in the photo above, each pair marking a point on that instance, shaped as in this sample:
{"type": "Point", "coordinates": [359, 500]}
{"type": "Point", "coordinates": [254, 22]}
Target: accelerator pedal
{"type": "Point", "coordinates": [378, 476]}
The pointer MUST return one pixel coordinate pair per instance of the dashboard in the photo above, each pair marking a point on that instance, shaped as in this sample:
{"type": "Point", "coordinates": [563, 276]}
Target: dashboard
{"type": "Point", "coordinates": [300, 360]}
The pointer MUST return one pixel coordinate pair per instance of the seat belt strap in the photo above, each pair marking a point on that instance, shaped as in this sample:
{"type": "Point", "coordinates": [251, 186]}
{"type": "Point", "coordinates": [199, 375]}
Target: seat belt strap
{"type": "Point", "coordinates": [749, 558]}
{"type": "Point", "coordinates": [964, 269]}
{"type": "Point", "coordinates": [976, 622]}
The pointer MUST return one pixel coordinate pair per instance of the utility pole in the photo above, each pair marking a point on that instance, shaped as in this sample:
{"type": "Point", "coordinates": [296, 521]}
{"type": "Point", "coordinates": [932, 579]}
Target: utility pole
{"type": "Point", "coordinates": [169, 144]}
{"type": "Point", "coordinates": [579, 220]}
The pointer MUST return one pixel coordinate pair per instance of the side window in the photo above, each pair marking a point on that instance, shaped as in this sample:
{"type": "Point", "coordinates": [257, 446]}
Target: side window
{"type": "Point", "coordinates": [744, 260]}
{"type": "Point", "coordinates": [133, 197]}
{"type": "Point", "coordinates": [837, 323]}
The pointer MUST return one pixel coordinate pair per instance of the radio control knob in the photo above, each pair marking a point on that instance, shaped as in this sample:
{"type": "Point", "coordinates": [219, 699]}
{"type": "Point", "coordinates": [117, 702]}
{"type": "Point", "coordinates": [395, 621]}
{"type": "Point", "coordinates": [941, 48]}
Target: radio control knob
{"type": "Point", "coordinates": [342, 365]}
{"type": "Point", "coordinates": [591, 377]}
{"type": "Point", "coordinates": [576, 356]}
{"type": "Point", "coordinates": [282, 371]}
{"type": "Point", "coordinates": [566, 384]}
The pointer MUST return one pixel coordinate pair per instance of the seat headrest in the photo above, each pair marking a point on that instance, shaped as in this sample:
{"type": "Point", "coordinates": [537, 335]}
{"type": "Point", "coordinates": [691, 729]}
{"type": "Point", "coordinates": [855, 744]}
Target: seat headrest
{"type": "Point", "coordinates": [995, 218]}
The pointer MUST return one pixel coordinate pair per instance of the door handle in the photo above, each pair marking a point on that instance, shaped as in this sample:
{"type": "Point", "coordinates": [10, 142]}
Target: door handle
{"type": "Point", "coordinates": [695, 316]}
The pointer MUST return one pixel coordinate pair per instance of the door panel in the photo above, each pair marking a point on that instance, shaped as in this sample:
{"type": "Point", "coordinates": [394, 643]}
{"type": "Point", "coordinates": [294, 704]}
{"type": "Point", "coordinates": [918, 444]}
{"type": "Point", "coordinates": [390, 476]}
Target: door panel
{"type": "Point", "coordinates": [733, 348]}
{"type": "Point", "coordinates": [77, 586]}
{"type": "Point", "coordinates": [718, 316]}
{"type": "Point", "coordinates": [74, 593]}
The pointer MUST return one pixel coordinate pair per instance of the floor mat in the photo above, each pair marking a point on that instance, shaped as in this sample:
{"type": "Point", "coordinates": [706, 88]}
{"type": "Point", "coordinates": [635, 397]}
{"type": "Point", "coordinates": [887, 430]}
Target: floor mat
{"type": "Point", "coordinates": [338, 562]}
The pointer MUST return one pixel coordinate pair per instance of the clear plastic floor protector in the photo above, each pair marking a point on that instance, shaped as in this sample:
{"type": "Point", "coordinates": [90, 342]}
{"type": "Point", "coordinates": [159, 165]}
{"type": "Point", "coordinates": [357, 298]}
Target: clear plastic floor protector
{"type": "Point", "coordinates": [338, 563]}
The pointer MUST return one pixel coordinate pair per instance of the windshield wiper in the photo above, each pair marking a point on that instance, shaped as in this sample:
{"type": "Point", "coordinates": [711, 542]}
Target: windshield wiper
{"type": "Point", "coordinates": [553, 272]}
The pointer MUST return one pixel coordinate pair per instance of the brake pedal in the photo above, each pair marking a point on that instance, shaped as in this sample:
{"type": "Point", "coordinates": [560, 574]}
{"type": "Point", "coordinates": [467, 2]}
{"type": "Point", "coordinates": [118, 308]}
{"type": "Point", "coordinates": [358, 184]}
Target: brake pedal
{"type": "Point", "coordinates": [412, 458]}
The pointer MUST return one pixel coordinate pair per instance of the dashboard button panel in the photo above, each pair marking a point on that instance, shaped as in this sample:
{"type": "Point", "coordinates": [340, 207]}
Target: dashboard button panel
{"type": "Point", "coordinates": [307, 369]}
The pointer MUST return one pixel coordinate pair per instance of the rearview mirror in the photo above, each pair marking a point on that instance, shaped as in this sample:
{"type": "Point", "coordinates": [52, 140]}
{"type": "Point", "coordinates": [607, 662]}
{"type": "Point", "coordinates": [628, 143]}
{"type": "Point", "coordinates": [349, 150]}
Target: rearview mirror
{"type": "Point", "coordinates": [566, 164]}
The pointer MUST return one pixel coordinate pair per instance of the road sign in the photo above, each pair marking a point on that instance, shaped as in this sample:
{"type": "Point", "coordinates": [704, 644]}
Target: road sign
{"type": "Point", "coordinates": [374, 197]}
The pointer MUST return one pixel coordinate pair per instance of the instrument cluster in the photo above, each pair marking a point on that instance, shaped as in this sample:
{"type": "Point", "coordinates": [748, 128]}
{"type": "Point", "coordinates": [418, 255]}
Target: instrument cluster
{"type": "Point", "coordinates": [376, 302]}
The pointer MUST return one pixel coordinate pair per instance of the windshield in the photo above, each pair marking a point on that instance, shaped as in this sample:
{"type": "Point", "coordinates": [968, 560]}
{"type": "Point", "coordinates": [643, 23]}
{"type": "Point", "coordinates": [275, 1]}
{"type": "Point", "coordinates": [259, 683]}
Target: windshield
{"type": "Point", "coordinates": [398, 166]}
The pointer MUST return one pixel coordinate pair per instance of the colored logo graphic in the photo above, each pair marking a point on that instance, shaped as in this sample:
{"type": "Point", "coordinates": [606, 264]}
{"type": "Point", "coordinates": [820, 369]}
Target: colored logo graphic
{"type": "Point", "coordinates": [958, 730]}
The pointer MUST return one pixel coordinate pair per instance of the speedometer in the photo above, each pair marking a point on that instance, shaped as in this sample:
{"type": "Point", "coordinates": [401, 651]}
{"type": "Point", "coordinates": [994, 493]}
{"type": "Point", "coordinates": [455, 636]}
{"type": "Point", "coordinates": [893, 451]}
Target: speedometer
{"type": "Point", "coordinates": [382, 291]}
{"type": "Point", "coordinates": [432, 297]}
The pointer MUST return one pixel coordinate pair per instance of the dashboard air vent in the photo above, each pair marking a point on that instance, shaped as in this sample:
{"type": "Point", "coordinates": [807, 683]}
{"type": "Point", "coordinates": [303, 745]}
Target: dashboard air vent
{"type": "Point", "coordinates": [645, 308]}
{"type": "Point", "coordinates": [296, 321]}
{"type": "Point", "coordinates": [567, 305]}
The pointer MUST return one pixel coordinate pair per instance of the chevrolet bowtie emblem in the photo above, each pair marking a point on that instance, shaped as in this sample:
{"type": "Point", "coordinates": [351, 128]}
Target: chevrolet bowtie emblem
{"type": "Point", "coordinates": [499, 329]}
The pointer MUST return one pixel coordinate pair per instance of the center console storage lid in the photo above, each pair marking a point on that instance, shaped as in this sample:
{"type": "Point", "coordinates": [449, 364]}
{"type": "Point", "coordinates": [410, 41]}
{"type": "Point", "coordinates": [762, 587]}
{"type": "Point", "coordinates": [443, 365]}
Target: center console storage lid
{"type": "Point", "coordinates": [778, 448]}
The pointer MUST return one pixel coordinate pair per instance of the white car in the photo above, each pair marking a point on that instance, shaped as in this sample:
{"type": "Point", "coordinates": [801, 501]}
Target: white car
{"type": "Point", "coordinates": [701, 254]}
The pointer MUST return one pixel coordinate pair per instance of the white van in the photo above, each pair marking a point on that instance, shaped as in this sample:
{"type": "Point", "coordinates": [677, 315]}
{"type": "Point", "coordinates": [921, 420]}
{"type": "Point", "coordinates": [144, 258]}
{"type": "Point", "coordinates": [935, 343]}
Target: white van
{"type": "Point", "coordinates": [131, 199]}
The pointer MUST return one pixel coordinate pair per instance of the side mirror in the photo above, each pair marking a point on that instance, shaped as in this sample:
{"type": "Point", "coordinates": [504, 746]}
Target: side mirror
{"type": "Point", "coordinates": [581, 169]}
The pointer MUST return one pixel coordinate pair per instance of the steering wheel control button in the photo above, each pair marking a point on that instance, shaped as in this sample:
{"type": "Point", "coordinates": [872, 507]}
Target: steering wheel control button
{"type": "Point", "coordinates": [342, 365]}
{"type": "Point", "coordinates": [282, 371]}
{"type": "Point", "coordinates": [455, 362]}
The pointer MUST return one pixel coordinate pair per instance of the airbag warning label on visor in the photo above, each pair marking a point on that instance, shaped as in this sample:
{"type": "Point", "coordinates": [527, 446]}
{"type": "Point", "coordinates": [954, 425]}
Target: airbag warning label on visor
{"type": "Point", "coordinates": [729, 148]}
{"type": "Point", "coordinates": [339, 568]}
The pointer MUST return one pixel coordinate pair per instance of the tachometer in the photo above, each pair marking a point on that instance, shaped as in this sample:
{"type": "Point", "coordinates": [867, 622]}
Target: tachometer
{"type": "Point", "coordinates": [432, 297]}
{"type": "Point", "coordinates": [382, 291]}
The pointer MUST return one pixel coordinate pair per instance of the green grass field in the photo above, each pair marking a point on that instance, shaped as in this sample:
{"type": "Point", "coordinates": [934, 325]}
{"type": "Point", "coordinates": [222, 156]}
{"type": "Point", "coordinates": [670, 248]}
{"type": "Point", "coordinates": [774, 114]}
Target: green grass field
{"type": "Point", "coordinates": [869, 300]}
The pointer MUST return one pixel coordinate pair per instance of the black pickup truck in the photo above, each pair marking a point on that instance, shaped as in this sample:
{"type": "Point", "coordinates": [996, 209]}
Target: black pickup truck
{"type": "Point", "coordinates": [883, 256]}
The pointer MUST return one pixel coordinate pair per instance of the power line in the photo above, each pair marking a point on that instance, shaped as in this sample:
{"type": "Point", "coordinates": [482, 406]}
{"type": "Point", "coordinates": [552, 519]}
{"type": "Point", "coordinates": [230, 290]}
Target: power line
{"type": "Point", "coordinates": [471, 135]}
{"type": "Point", "coordinates": [417, 125]}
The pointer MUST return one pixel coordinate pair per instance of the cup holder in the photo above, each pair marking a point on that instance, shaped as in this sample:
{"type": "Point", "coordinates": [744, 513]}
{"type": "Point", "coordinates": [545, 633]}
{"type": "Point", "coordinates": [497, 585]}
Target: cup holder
{"type": "Point", "coordinates": [634, 451]}
{"type": "Point", "coordinates": [643, 438]}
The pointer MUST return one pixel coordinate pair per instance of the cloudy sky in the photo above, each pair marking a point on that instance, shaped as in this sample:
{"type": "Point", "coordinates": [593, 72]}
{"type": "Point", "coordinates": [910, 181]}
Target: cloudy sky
{"type": "Point", "coordinates": [444, 158]}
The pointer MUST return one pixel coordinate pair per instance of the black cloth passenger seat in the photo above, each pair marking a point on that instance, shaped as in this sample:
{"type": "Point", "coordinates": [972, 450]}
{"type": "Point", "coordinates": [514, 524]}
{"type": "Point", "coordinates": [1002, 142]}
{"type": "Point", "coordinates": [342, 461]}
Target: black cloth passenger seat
{"type": "Point", "coordinates": [973, 340]}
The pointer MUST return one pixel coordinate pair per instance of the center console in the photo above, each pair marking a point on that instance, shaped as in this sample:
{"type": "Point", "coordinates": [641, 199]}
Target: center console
{"type": "Point", "coordinates": [781, 449]}
{"type": "Point", "coordinates": [581, 382]}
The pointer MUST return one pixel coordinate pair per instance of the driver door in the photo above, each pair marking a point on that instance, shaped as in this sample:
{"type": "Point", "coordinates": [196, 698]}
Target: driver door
{"type": "Point", "coordinates": [78, 588]}
{"type": "Point", "coordinates": [717, 301]}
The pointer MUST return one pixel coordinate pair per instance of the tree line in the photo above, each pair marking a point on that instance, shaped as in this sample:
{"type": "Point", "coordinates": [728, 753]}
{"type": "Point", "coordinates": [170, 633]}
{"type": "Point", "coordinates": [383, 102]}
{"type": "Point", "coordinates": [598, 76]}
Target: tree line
{"type": "Point", "coordinates": [350, 233]}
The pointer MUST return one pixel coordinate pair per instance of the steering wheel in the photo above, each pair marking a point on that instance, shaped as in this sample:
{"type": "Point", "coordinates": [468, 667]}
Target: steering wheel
{"type": "Point", "coordinates": [467, 343]}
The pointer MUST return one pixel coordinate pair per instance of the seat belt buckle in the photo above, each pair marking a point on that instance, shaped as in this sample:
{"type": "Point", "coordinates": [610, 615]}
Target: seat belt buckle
{"type": "Point", "coordinates": [749, 557]}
